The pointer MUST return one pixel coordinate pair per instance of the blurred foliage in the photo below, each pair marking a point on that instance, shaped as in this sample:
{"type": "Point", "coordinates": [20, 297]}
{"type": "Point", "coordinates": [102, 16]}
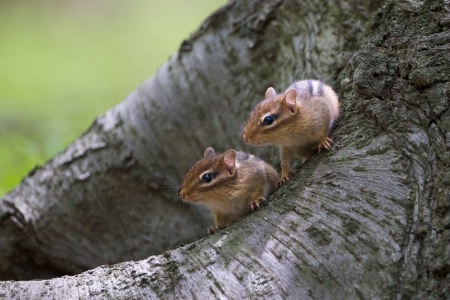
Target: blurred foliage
{"type": "Point", "coordinates": [62, 63]}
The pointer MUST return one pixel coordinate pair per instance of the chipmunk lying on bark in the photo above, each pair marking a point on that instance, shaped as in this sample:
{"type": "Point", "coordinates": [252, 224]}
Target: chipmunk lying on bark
{"type": "Point", "coordinates": [231, 185]}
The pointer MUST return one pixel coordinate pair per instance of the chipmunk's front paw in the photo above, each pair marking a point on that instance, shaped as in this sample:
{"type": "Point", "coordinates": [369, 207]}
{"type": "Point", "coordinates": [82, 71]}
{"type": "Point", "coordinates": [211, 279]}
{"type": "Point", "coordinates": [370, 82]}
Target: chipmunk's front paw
{"type": "Point", "coordinates": [255, 204]}
{"type": "Point", "coordinates": [285, 177]}
{"type": "Point", "coordinates": [214, 229]}
{"type": "Point", "coordinates": [326, 144]}
{"type": "Point", "coordinates": [283, 180]}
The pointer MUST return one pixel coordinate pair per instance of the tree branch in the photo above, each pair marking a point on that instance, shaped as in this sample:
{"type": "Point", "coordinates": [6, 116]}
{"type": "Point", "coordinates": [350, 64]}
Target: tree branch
{"type": "Point", "coordinates": [365, 221]}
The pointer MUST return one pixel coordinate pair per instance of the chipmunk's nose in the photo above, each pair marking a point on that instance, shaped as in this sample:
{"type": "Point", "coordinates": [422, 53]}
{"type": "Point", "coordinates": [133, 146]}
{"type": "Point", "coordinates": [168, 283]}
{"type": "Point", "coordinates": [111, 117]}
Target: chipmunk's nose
{"type": "Point", "coordinates": [244, 137]}
{"type": "Point", "coordinates": [181, 193]}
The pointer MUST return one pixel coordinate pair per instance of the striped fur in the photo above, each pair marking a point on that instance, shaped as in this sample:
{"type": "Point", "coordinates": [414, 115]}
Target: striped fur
{"type": "Point", "coordinates": [240, 183]}
{"type": "Point", "coordinates": [303, 116]}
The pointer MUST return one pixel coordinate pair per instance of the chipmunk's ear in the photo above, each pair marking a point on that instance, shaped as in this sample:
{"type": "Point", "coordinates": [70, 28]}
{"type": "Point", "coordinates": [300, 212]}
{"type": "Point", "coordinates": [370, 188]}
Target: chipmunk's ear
{"type": "Point", "coordinates": [229, 161]}
{"type": "Point", "coordinates": [289, 100]}
{"type": "Point", "coordinates": [209, 152]}
{"type": "Point", "coordinates": [270, 92]}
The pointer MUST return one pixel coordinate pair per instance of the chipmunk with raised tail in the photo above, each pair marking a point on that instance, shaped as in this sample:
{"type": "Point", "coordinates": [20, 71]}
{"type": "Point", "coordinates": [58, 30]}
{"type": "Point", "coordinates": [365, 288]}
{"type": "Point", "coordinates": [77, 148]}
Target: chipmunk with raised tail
{"type": "Point", "coordinates": [298, 121]}
{"type": "Point", "coordinates": [231, 185]}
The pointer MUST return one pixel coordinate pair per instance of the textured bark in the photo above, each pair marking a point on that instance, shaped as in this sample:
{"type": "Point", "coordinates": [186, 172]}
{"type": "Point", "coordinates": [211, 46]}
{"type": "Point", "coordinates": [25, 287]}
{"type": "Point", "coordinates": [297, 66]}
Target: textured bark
{"type": "Point", "coordinates": [369, 220]}
{"type": "Point", "coordinates": [119, 180]}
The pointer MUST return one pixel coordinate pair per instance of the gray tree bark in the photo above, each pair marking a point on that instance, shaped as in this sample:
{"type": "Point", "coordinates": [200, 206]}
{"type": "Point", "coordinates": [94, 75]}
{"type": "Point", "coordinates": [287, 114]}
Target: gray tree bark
{"type": "Point", "coordinates": [369, 220]}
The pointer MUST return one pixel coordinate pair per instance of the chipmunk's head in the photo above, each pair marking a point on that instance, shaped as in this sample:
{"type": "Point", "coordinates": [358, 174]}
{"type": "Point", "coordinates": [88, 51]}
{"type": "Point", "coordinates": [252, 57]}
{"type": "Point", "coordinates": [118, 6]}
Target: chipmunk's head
{"type": "Point", "coordinates": [267, 122]}
{"type": "Point", "coordinates": [210, 177]}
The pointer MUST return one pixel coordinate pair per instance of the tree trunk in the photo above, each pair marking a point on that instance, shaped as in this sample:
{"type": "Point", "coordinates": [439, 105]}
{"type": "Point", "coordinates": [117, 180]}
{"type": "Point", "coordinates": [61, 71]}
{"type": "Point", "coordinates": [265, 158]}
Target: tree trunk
{"type": "Point", "coordinates": [369, 220]}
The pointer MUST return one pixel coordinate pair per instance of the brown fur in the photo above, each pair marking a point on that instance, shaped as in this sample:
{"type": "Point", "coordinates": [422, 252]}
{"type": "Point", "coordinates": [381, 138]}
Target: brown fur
{"type": "Point", "coordinates": [304, 115]}
{"type": "Point", "coordinates": [241, 183]}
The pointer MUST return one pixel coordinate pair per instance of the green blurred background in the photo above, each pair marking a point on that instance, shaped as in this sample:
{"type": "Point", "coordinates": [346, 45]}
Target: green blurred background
{"type": "Point", "coordinates": [62, 63]}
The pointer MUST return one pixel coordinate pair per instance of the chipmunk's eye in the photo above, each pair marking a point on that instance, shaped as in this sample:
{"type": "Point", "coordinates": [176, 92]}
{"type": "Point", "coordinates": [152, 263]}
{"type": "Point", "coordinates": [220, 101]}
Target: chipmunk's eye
{"type": "Point", "coordinates": [268, 120]}
{"type": "Point", "coordinates": [207, 177]}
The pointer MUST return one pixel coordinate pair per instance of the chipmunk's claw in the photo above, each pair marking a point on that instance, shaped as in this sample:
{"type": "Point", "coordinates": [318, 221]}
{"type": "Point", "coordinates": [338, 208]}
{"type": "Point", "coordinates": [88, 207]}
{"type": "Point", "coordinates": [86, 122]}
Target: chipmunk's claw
{"type": "Point", "coordinates": [286, 177]}
{"type": "Point", "coordinates": [283, 180]}
{"type": "Point", "coordinates": [255, 204]}
{"type": "Point", "coordinates": [326, 144]}
{"type": "Point", "coordinates": [214, 229]}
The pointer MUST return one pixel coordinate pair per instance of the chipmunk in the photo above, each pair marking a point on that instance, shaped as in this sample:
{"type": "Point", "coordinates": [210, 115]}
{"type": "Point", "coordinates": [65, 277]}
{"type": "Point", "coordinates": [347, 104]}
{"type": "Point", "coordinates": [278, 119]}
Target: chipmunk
{"type": "Point", "coordinates": [298, 121]}
{"type": "Point", "coordinates": [231, 185]}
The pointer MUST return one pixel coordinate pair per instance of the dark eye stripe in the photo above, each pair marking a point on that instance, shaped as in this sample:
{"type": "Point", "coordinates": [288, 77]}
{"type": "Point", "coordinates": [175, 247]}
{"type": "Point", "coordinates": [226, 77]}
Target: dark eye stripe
{"type": "Point", "coordinates": [208, 177]}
